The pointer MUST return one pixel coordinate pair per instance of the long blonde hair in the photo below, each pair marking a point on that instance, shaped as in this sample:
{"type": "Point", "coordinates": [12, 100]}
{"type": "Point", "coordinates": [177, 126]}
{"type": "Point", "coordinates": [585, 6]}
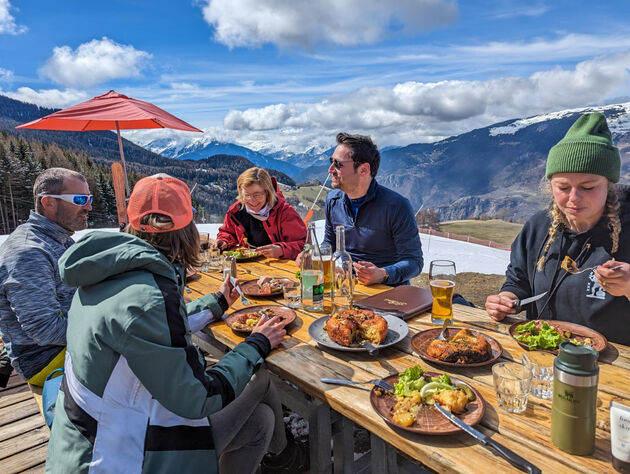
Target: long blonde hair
{"type": "Point", "coordinates": [559, 223]}
{"type": "Point", "coordinates": [256, 176]}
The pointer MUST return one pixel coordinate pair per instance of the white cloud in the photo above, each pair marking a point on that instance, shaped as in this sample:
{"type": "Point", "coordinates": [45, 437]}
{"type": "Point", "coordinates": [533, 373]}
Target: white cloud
{"type": "Point", "coordinates": [289, 23]}
{"type": "Point", "coordinates": [532, 10]}
{"type": "Point", "coordinates": [94, 62]}
{"type": "Point", "coordinates": [6, 75]}
{"type": "Point", "coordinates": [47, 97]}
{"type": "Point", "coordinates": [419, 111]}
{"type": "Point", "coordinates": [7, 21]}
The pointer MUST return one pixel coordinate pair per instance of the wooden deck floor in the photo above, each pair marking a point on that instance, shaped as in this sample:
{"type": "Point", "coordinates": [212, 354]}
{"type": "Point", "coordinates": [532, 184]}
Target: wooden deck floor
{"type": "Point", "coordinates": [23, 433]}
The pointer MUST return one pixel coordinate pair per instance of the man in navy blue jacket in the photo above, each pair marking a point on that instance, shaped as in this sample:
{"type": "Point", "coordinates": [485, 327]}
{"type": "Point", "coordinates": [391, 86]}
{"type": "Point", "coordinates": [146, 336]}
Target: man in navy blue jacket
{"type": "Point", "coordinates": [381, 231]}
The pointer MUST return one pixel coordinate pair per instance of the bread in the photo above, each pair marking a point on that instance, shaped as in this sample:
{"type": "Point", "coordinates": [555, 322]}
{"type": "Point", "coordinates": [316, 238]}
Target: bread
{"type": "Point", "coordinates": [464, 348]}
{"type": "Point", "coordinates": [352, 326]}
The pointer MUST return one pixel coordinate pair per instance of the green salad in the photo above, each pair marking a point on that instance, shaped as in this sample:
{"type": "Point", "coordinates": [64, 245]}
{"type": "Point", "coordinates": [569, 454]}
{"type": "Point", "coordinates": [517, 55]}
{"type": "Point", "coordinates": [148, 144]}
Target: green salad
{"type": "Point", "coordinates": [414, 379]}
{"type": "Point", "coordinates": [544, 336]}
{"type": "Point", "coordinates": [242, 253]}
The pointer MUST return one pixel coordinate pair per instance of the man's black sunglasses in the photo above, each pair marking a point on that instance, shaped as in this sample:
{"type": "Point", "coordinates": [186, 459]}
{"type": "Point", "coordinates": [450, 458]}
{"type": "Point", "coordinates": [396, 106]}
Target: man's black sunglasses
{"type": "Point", "coordinates": [338, 164]}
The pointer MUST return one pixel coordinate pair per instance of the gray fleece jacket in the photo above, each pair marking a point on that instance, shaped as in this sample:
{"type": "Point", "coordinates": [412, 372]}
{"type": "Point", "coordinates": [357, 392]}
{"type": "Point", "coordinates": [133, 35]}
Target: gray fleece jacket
{"type": "Point", "coordinates": [33, 300]}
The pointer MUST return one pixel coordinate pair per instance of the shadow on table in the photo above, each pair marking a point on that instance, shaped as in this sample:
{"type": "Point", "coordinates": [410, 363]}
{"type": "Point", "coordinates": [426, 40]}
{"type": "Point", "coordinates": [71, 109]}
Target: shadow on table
{"type": "Point", "coordinates": [609, 355]}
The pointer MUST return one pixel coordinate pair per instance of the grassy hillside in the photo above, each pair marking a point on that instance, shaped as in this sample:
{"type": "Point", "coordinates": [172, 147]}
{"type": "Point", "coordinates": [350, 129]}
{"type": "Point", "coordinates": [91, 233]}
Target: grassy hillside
{"type": "Point", "coordinates": [496, 230]}
{"type": "Point", "coordinates": [306, 195]}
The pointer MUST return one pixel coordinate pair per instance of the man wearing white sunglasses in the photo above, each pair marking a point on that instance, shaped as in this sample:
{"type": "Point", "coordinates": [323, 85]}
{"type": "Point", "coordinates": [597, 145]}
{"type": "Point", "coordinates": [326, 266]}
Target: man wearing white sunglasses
{"type": "Point", "coordinates": [33, 300]}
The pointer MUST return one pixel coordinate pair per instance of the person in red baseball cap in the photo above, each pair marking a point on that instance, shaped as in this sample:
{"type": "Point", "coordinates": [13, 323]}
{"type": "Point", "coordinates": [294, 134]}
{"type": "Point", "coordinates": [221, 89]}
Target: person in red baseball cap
{"type": "Point", "coordinates": [139, 385]}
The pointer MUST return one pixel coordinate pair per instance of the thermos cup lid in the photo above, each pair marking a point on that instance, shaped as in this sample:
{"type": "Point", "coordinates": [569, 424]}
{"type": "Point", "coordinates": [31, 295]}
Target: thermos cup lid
{"type": "Point", "coordinates": [578, 360]}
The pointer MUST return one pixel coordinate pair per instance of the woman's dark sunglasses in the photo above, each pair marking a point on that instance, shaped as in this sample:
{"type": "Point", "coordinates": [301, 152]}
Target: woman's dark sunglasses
{"type": "Point", "coordinates": [76, 199]}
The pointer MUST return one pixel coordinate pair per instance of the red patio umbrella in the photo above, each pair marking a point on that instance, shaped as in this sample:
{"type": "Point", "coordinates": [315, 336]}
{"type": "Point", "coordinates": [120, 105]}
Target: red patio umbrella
{"type": "Point", "coordinates": [108, 112]}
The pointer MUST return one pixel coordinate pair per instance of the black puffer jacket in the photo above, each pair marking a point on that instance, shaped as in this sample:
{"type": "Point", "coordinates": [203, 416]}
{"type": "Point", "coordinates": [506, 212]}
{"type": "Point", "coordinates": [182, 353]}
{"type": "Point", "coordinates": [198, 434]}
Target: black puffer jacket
{"type": "Point", "coordinates": [576, 298]}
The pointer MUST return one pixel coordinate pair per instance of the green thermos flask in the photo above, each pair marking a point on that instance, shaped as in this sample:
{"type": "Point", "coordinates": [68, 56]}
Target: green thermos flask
{"type": "Point", "coordinates": [573, 407]}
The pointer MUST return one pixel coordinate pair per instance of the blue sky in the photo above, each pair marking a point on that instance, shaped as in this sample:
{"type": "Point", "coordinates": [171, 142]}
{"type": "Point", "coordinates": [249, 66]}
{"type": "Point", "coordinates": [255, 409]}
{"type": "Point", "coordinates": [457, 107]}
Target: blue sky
{"type": "Point", "coordinates": [290, 74]}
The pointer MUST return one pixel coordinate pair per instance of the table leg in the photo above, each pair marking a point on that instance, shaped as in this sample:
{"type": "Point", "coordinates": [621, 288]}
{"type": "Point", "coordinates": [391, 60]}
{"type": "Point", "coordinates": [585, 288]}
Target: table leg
{"type": "Point", "coordinates": [319, 436]}
{"type": "Point", "coordinates": [343, 445]}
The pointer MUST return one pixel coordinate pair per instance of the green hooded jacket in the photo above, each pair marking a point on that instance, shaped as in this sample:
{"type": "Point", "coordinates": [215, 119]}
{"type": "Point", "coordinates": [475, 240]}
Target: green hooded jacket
{"type": "Point", "coordinates": [135, 396]}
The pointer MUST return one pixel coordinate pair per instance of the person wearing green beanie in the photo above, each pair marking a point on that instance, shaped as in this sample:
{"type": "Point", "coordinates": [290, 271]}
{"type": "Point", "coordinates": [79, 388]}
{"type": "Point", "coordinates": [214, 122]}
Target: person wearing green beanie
{"type": "Point", "coordinates": [588, 221]}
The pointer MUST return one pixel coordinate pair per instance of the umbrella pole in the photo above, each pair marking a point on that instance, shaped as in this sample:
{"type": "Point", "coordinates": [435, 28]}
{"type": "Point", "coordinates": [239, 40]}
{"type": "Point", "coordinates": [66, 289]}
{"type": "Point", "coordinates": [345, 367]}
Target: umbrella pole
{"type": "Point", "coordinates": [122, 158]}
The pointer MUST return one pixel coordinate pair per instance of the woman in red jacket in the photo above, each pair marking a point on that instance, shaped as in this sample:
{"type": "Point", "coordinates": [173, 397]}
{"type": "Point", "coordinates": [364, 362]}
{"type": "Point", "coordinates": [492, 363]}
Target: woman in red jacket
{"type": "Point", "coordinates": [263, 217]}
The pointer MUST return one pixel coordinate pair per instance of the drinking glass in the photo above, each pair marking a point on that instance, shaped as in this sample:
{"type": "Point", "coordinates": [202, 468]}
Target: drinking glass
{"type": "Point", "coordinates": [214, 258]}
{"type": "Point", "coordinates": [204, 261]}
{"type": "Point", "coordinates": [291, 293]}
{"type": "Point", "coordinates": [541, 366]}
{"type": "Point", "coordinates": [442, 282]}
{"type": "Point", "coordinates": [325, 250]}
{"type": "Point", "coordinates": [512, 382]}
{"type": "Point", "coordinates": [205, 241]}
{"type": "Point", "coordinates": [229, 267]}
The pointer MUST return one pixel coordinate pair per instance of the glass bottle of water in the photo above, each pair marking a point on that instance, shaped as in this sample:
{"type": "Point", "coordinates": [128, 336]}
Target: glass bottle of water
{"type": "Point", "coordinates": [343, 284]}
{"type": "Point", "coordinates": [312, 274]}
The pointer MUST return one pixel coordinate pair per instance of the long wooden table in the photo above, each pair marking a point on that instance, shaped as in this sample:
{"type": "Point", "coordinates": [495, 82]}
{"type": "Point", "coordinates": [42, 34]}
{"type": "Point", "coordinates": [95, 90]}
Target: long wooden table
{"type": "Point", "coordinates": [302, 362]}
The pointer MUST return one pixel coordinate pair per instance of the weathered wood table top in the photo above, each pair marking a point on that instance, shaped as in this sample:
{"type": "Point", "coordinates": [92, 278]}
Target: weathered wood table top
{"type": "Point", "coordinates": [302, 362]}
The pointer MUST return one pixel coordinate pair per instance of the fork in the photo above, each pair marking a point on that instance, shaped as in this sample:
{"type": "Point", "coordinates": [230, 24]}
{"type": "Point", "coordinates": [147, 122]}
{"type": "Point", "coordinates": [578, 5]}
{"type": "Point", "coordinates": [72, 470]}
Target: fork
{"type": "Point", "coordinates": [441, 336]}
{"type": "Point", "coordinates": [248, 244]}
{"type": "Point", "coordinates": [244, 300]}
{"type": "Point", "coordinates": [582, 270]}
{"type": "Point", "coordinates": [378, 382]}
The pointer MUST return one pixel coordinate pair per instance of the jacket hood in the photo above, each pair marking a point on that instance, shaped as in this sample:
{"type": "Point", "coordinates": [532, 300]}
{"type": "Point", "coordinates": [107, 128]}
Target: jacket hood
{"type": "Point", "coordinates": [101, 255]}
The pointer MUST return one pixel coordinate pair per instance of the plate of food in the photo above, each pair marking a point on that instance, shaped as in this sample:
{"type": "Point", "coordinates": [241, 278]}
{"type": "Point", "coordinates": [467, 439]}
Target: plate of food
{"type": "Point", "coordinates": [410, 406]}
{"type": "Point", "coordinates": [345, 330]}
{"type": "Point", "coordinates": [462, 348]}
{"type": "Point", "coordinates": [269, 287]}
{"type": "Point", "coordinates": [546, 335]}
{"type": "Point", "coordinates": [242, 254]}
{"type": "Point", "coordinates": [244, 320]}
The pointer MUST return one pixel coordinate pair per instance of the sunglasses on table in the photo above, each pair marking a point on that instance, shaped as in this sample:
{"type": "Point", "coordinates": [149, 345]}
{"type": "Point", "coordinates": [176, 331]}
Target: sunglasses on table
{"type": "Point", "coordinates": [76, 199]}
{"type": "Point", "coordinates": [339, 164]}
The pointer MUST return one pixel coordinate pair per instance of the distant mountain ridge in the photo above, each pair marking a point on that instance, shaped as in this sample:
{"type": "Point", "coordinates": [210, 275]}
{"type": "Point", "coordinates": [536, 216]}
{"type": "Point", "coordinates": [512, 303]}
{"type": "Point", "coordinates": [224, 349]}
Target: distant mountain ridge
{"type": "Point", "coordinates": [205, 147]}
{"type": "Point", "coordinates": [494, 170]}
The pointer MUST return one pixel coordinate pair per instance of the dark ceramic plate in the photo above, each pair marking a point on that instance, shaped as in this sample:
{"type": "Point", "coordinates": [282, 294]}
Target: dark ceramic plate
{"type": "Point", "coordinates": [420, 342]}
{"type": "Point", "coordinates": [579, 332]}
{"type": "Point", "coordinates": [287, 315]}
{"type": "Point", "coordinates": [428, 421]}
{"type": "Point", "coordinates": [251, 288]}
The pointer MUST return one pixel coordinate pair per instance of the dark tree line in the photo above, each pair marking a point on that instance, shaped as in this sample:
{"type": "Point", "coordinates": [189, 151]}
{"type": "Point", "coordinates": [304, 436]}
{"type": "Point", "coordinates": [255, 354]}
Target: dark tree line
{"type": "Point", "coordinates": [22, 161]}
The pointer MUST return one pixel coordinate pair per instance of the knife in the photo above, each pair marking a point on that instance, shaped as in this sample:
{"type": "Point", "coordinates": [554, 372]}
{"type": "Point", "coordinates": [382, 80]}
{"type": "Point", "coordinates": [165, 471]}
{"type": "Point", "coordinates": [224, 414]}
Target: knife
{"type": "Point", "coordinates": [506, 453]}
{"type": "Point", "coordinates": [378, 382]}
{"type": "Point", "coordinates": [519, 303]}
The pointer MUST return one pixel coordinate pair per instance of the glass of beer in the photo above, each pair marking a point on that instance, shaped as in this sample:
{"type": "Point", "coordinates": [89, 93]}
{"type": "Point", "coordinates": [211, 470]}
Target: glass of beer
{"type": "Point", "coordinates": [325, 251]}
{"type": "Point", "coordinates": [442, 282]}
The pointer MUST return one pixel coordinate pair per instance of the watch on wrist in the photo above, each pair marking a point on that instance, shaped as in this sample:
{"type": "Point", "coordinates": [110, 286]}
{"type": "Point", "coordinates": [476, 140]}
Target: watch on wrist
{"type": "Point", "coordinates": [386, 276]}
